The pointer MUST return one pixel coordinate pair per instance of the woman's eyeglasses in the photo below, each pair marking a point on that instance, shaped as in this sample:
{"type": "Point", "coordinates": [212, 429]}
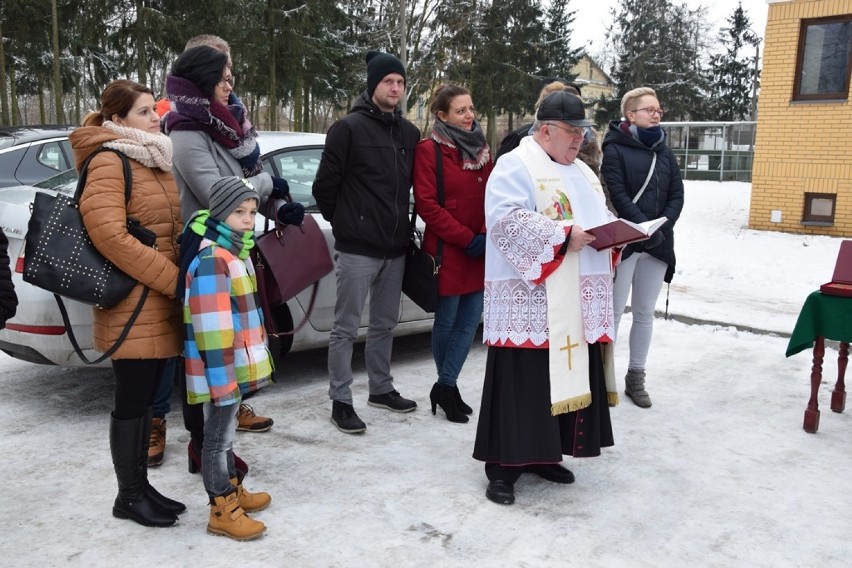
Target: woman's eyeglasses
{"type": "Point", "coordinates": [651, 111]}
{"type": "Point", "coordinates": [228, 81]}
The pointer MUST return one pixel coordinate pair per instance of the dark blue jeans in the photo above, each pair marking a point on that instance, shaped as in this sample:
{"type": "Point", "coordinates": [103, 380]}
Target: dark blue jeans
{"type": "Point", "coordinates": [456, 320]}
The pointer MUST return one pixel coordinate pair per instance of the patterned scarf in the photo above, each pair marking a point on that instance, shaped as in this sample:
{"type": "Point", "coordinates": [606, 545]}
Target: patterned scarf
{"type": "Point", "coordinates": [150, 150]}
{"type": "Point", "coordinates": [201, 226]}
{"type": "Point", "coordinates": [227, 125]}
{"type": "Point", "coordinates": [471, 143]}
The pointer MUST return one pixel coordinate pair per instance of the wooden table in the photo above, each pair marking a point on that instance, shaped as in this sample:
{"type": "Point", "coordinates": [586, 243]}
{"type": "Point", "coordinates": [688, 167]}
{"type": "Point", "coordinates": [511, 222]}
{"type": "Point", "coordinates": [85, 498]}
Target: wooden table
{"type": "Point", "coordinates": [823, 317]}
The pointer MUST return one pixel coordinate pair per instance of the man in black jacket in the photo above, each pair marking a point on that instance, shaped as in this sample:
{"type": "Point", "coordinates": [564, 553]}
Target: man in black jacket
{"type": "Point", "coordinates": [362, 188]}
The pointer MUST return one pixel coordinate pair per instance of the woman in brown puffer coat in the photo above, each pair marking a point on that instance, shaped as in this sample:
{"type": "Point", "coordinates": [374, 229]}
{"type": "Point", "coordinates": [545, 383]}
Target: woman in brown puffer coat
{"type": "Point", "coordinates": [128, 123]}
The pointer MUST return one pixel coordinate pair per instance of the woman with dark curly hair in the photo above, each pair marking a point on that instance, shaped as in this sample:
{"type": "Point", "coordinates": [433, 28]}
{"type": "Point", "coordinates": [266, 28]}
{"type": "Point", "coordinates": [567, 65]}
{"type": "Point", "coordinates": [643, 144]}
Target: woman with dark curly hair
{"type": "Point", "coordinates": [213, 138]}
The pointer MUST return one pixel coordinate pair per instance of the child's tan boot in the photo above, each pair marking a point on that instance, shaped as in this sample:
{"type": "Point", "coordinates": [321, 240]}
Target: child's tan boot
{"type": "Point", "coordinates": [227, 518]}
{"type": "Point", "coordinates": [251, 502]}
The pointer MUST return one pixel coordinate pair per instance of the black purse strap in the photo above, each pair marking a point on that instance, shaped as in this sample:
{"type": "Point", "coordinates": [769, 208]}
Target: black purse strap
{"type": "Point", "coordinates": [81, 184]}
{"type": "Point", "coordinates": [439, 187]}
{"type": "Point", "coordinates": [84, 174]}
{"type": "Point", "coordinates": [118, 341]}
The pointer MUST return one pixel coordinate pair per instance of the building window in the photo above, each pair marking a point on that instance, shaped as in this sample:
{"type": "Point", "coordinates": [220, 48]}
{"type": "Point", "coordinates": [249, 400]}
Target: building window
{"type": "Point", "coordinates": [823, 62]}
{"type": "Point", "coordinates": [819, 208]}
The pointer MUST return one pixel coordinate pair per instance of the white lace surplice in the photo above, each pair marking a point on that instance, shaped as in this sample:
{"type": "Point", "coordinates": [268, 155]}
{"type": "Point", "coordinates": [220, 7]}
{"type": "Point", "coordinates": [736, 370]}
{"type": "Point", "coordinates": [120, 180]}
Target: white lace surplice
{"type": "Point", "coordinates": [595, 266]}
{"type": "Point", "coordinates": [515, 308]}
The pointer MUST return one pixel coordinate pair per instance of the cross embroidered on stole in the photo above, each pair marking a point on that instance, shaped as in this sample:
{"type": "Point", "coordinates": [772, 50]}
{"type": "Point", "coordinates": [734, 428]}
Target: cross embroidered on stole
{"type": "Point", "coordinates": [568, 347]}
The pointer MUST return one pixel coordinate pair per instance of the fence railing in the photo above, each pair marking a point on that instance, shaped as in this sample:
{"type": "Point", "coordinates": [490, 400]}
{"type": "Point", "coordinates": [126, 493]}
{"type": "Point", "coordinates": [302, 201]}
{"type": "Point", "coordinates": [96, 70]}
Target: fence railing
{"type": "Point", "coordinates": [720, 151]}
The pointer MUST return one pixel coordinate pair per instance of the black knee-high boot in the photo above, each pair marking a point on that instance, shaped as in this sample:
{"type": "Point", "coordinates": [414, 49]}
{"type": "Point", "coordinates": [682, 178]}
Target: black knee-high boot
{"type": "Point", "coordinates": [133, 501]}
{"type": "Point", "coordinates": [163, 502]}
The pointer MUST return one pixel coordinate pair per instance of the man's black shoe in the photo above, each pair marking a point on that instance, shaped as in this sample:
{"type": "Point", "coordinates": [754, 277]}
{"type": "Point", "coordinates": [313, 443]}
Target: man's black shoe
{"type": "Point", "coordinates": [392, 401]}
{"type": "Point", "coordinates": [552, 472]}
{"type": "Point", "coordinates": [501, 492]}
{"type": "Point", "coordinates": [343, 416]}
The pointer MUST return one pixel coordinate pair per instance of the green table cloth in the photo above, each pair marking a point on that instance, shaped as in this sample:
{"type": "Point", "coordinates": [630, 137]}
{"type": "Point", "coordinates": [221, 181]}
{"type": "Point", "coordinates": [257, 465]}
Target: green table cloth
{"type": "Point", "coordinates": [822, 315]}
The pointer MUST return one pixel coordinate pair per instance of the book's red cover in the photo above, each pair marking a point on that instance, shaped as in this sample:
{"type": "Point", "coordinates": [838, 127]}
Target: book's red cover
{"type": "Point", "coordinates": [617, 233]}
{"type": "Point", "coordinates": [841, 280]}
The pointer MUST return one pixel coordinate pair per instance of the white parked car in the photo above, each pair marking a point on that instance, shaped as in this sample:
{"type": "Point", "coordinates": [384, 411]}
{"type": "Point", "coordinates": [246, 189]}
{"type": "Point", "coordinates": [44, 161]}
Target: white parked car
{"type": "Point", "coordinates": [37, 334]}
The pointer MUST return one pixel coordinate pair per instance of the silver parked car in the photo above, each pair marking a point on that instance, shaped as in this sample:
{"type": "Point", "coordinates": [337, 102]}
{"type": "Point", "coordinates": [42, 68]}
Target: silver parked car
{"type": "Point", "coordinates": [32, 153]}
{"type": "Point", "coordinates": [37, 333]}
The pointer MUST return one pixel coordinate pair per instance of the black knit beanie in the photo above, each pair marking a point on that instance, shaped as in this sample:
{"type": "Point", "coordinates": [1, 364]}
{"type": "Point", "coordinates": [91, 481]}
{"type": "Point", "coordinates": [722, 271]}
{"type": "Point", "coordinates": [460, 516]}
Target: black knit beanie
{"type": "Point", "coordinates": [227, 194]}
{"type": "Point", "coordinates": [380, 65]}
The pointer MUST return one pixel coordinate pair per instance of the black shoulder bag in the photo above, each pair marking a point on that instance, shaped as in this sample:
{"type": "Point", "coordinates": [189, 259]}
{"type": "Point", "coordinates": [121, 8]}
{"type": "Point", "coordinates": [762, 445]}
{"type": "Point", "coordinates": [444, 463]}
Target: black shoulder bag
{"type": "Point", "coordinates": [420, 281]}
{"type": "Point", "coordinates": [59, 256]}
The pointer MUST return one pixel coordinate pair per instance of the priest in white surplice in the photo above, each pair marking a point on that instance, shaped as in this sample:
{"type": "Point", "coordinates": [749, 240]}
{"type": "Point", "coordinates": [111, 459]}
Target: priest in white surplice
{"type": "Point", "coordinates": [548, 316]}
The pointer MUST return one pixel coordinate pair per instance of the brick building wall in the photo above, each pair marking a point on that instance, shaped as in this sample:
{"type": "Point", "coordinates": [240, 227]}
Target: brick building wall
{"type": "Point", "coordinates": [801, 146]}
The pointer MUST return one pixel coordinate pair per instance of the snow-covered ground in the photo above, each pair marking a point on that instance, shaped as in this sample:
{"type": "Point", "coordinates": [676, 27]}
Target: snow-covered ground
{"type": "Point", "coordinates": [718, 473]}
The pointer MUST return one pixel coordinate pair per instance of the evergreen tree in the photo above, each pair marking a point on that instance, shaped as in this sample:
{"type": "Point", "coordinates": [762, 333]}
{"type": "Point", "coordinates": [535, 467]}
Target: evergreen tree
{"type": "Point", "coordinates": [660, 45]}
{"type": "Point", "coordinates": [506, 54]}
{"type": "Point", "coordinates": [732, 74]}
{"type": "Point", "coordinates": [559, 58]}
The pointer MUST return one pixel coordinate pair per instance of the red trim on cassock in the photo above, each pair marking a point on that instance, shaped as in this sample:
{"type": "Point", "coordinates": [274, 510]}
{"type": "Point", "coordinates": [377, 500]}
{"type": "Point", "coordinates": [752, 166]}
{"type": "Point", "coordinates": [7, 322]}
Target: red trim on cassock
{"type": "Point", "coordinates": [548, 268]}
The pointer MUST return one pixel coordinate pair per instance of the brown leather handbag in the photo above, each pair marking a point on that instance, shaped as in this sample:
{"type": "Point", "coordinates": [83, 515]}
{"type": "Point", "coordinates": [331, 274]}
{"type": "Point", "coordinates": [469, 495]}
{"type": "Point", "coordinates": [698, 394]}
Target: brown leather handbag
{"type": "Point", "coordinates": [287, 260]}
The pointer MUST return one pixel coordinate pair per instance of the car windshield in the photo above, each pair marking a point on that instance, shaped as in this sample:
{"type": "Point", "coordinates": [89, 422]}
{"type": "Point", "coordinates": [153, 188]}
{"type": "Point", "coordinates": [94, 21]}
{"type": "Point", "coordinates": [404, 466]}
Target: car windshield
{"type": "Point", "coordinates": [299, 167]}
{"type": "Point", "coordinates": [65, 182]}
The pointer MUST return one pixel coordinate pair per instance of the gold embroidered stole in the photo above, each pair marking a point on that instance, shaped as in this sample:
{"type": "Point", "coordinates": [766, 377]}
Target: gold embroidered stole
{"type": "Point", "coordinates": [569, 353]}
{"type": "Point", "coordinates": [607, 349]}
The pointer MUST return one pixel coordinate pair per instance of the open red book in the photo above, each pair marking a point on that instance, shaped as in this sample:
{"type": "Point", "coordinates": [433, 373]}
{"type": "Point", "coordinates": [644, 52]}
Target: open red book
{"type": "Point", "coordinates": [841, 281]}
{"type": "Point", "coordinates": [622, 232]}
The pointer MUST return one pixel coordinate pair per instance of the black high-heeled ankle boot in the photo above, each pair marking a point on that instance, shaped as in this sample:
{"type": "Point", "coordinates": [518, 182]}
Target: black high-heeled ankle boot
{"type": "Point", "coordinates": [460, 403]}
{"type": "Point", "coordinates": [444, 396]}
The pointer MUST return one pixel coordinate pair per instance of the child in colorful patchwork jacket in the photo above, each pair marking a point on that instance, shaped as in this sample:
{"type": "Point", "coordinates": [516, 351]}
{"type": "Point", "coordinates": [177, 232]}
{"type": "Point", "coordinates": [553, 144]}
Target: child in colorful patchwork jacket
{"type": "Point", "coordinates": [226, 346]}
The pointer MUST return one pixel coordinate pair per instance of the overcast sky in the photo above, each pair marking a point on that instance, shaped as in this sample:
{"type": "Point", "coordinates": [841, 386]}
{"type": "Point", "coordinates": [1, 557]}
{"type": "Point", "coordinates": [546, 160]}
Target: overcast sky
{"type": "Point", "coordinates": [593, 17]}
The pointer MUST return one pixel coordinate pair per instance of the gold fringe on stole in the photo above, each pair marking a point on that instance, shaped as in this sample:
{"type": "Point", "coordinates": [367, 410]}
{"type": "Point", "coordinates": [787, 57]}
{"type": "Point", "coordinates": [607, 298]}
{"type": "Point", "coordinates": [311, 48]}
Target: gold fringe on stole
{"type": "Point", "coordinates": [612, 398]}
{"type": "Point", "coordinates": [571, 404]}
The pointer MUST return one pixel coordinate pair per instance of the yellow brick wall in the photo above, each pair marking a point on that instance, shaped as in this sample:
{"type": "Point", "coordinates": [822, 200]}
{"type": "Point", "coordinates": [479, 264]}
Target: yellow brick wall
{"type": "Point", "coordinates": [800, 146]}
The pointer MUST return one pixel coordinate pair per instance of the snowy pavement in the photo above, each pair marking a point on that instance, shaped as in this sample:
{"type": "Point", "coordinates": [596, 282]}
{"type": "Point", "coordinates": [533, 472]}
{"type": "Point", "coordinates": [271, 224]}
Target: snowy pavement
{"type": "Point", "coordinates": [717, 473]}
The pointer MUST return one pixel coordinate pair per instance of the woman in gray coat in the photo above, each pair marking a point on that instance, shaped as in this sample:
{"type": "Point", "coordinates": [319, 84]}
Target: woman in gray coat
{"type": "Point", "coordinates": [212, 139]}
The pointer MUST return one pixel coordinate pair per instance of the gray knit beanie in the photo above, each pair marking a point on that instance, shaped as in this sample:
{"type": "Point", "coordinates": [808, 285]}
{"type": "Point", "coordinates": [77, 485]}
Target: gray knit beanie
{"type": "Point", "coordinates": [227, 194]}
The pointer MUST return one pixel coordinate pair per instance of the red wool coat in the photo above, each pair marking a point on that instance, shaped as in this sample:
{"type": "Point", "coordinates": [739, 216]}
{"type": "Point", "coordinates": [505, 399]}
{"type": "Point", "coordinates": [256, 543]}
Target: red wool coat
{"type": "Point", "coordinates": [458, 221]}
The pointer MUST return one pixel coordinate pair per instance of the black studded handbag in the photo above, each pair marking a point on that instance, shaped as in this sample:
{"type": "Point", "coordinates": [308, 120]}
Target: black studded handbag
{"type": "Point", "coordinates": [59, 255]}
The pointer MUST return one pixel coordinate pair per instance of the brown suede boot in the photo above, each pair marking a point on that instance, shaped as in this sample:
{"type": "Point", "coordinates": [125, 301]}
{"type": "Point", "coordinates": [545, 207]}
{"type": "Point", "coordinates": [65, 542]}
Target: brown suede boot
{"type": "Point", "coordinates": [157, 442]}
{"type": "Point", "coordinates": [227, 518]}
{"type": "Point", "coordinates": [251, 502]}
